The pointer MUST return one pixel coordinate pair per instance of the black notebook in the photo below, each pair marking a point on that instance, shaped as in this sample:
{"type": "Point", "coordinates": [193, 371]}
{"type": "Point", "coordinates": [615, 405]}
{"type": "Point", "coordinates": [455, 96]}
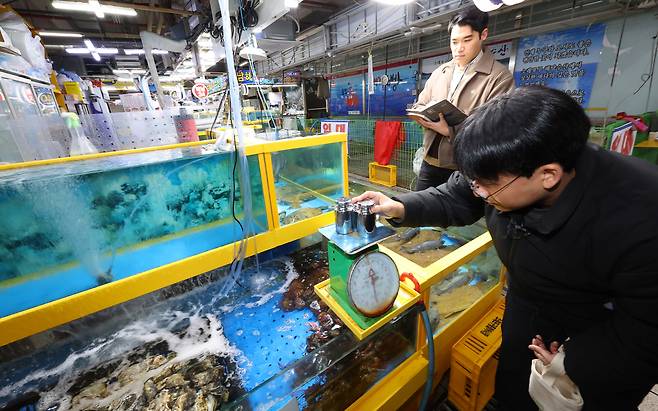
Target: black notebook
{"type": "Point", "coordinates": [431, 110]}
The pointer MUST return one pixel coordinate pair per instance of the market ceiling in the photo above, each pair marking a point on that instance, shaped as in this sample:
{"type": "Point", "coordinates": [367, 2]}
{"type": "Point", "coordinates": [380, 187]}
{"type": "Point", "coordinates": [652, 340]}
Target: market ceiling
{"type": "Point", "coordinates": [170, 18]}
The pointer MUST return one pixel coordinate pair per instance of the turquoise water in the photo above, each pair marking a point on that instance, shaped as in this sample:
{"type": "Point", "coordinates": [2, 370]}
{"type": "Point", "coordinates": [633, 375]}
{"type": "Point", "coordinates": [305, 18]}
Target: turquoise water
{"type": "Point", "coordinates": [73, 226]}
{"type": "Point", "coordinates": [307, 180]}
{"type": "Point", "coordinates": [266, 339]}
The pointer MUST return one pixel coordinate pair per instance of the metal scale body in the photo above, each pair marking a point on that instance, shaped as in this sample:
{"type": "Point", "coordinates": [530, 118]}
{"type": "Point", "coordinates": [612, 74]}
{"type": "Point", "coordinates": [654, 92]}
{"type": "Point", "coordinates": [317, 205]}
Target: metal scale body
{"type": "Point", "coordinates": [363, 281]}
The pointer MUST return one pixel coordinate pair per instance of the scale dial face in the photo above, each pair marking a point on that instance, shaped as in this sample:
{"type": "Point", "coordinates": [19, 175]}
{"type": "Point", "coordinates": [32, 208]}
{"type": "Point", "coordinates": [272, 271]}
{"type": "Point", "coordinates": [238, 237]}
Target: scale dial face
{"type": "Point", "coordinates": [373, 283]}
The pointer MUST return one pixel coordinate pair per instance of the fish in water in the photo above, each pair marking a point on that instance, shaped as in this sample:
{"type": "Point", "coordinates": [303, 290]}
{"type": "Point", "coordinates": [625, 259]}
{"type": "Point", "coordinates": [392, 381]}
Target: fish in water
{"type": "Point", "coordinates": [425, 246]}
{"type": "Point", "coordinates": [458, 279]}
{"type": "Point", "coordinates": [449, 241]}
{"type": "Point", "coordinates": [406, 236]}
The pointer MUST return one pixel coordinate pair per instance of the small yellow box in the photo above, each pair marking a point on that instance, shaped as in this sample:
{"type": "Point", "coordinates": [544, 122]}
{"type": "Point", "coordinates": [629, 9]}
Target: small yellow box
{"type": "Point", "coordinates": [384, 175]}
{"type": "Point", "coordinates": [474, 360]}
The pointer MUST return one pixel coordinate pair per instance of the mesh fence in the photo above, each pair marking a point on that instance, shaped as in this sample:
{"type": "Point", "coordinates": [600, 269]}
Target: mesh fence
{"type": "Point", "coordinates": [361, 148]}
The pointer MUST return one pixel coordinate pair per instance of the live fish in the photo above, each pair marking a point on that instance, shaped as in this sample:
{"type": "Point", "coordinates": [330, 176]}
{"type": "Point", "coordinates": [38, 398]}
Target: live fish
{"type": "Point", "coordinates": [425, 246]}
{"type": "Point", "coordinates": [457, 280]}
{"type": "Point", "coordinates": [406, 236]}
{"type": "Point", "coordinates": [449, 241]}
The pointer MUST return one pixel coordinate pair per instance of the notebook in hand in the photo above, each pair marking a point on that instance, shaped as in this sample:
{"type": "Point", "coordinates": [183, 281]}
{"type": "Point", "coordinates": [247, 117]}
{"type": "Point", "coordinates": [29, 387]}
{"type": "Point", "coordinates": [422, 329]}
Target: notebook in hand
{"type": "Point", "coordinates": [431, 110]}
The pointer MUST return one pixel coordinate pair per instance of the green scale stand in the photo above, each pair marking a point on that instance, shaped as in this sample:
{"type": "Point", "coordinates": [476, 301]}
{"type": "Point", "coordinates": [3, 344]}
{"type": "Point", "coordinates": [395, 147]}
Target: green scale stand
{"type": "Point", "coordinates": [364, 282]}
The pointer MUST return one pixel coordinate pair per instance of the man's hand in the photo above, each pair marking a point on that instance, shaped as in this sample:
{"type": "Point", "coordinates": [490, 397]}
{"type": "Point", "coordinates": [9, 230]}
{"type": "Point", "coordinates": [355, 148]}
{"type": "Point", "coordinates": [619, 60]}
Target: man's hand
{"type": "Point", "coordinates": [383, 205]}
{"type": "Point", "coordinates": [541, 352]}
{"type": "Point", "coordinates": [440, 126]}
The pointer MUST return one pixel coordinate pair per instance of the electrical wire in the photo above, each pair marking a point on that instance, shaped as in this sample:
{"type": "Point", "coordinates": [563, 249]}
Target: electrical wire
{"type": "Point", "coordinates": [219, 107]}
{"type": "Point", "coordinates": [259, 91]}
{"type": "Point", "coordinates": [249, 17]}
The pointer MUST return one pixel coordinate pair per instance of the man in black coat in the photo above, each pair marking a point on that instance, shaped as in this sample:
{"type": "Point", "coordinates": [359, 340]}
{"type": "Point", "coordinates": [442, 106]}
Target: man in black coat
{"type": "Point", "coordinates": [577, 228]}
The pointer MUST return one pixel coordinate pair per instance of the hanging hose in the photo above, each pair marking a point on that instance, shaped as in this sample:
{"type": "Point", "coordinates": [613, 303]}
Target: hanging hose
{"type": "Point", "coordinates": [427, 391]}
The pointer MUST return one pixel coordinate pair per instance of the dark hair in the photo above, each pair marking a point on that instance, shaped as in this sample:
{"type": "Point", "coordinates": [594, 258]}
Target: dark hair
{"type": "Point", "coordinates": [472, 16]}
{"type": "Point", "coordinates": [517, 132]}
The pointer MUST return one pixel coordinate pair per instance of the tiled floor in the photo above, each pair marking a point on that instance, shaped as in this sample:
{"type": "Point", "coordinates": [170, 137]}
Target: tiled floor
{"type": "Point", "coordinates": [650, 402]}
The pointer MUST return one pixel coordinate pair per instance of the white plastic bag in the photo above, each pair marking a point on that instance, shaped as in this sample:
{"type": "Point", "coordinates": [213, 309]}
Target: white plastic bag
{"type": "Point", "coordinates": [551, 388]}
{"type": "Point", "coordinates": [418, 160]}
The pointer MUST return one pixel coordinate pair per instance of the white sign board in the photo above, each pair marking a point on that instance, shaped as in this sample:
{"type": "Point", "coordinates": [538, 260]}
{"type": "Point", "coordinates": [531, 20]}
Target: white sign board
{"type": "Point", "coordinates": [334, 126]}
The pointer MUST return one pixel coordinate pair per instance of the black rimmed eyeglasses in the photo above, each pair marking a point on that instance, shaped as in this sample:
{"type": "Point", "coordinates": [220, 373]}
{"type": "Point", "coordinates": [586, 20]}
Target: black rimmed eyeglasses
{"type": "Point", "coordinates": [477, 190]}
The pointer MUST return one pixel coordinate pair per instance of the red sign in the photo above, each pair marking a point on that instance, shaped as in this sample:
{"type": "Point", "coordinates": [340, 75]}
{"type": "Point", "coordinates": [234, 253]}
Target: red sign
{"type": "Point", "coordinates": [334, 126]}
{"type": "Point", "coordinates": [200, 90]}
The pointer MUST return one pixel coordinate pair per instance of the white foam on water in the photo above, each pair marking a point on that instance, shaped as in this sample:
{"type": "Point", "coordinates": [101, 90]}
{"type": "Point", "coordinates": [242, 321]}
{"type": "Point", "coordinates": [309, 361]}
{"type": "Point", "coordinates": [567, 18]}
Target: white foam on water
{"type": "Point", "coordinates": [291, 274]}
{"type": "Point", "coordinates": [203, 336]}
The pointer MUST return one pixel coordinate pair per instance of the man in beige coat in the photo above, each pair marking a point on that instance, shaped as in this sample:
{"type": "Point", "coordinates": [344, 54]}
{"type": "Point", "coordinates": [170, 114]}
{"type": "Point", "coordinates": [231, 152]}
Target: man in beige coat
{"type": "Point", "coordinates": [470, 79]}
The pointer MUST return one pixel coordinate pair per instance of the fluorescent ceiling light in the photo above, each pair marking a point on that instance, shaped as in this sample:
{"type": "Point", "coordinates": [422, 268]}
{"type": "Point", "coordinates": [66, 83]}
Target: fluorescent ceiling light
{"type": "Point", "coordinates": [77, 50]}
{"type": "Point", "coordinates": [58, 34]}
{"type": "Point", "coordinates": [126, 71]}
{"type": "Point", "coordinates": [93, 6]}
{"type": "Point", "coordinates": [95, 52]}
{"type": "Point", "coordinates": [488, 5]}
{"type": "Point", "coordinates": [290, 4]}
{"type": "Point", "coordinates": [141, 51]}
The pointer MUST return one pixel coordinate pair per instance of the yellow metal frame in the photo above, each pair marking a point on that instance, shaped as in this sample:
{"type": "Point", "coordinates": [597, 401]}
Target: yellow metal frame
{"type": "Point", "coordinates": [405, 299]}
{"type": "Point", "coordinates": [437, 271]}
{"type": "Point", "coordinates": [52, 161]}
{"type": "Point", "coordinates": [265, 149]}
{"type": "Point", "coordinates": [25, 323]}
{"type": "Point", "coordinates": [403, 383]}
{"type": "Point", "coordinates": [392, 391]}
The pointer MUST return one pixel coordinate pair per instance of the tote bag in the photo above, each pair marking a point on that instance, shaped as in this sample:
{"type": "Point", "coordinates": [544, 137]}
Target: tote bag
{"type": "Point", "coordinates": [551, 388]}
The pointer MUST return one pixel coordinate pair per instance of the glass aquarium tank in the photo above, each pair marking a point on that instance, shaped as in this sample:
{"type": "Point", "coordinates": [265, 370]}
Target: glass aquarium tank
{"type": "Point", "coordinates": [307, 181]}
{"type": "Point", "coordinates": [426, 245]}
{"type": "Point", "coordinates": [260, 340]}
{"type": "Point", "coordinates": [72, 226]}
{"type": "Point", "coordinates": [460, 289]}
{"type": "Point", "coordinates": [456, 291]}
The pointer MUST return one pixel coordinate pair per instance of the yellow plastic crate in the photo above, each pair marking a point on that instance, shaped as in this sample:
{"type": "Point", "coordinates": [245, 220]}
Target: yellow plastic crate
{"type": "Point", "coordinates": [384, 175]}
{"type": "Point", "coordinates": [474, 361]}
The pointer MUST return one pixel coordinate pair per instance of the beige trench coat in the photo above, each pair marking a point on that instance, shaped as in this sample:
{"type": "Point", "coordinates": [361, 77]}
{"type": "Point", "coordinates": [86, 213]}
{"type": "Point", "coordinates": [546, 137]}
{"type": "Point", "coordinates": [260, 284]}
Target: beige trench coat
{"type": "Point", "coordinates": [482, 82]}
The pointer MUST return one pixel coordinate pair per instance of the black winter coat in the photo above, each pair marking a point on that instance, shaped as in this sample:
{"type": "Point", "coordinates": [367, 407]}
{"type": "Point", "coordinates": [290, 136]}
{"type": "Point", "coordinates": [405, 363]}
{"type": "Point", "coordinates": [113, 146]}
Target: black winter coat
{"type": "Point", "coordinates": [597, 245]}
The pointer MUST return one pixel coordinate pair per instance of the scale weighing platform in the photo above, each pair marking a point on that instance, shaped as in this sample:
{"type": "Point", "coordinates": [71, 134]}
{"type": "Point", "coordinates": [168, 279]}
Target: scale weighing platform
{"type": "Point", "coordinates": [364, 288]}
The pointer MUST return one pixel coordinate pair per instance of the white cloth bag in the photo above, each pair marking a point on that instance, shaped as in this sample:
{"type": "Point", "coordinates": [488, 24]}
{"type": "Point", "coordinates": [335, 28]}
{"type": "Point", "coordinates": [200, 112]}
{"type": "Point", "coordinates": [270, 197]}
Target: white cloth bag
{"type": "Point", "coordinates": [551, 388]}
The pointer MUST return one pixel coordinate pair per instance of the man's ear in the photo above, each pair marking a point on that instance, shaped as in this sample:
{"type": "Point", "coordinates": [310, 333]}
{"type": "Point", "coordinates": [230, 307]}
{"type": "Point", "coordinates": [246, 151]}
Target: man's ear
{"type": "Point", "coordinates": [551, 175]}
{"type": "Point", "coordinates": [484, 34]}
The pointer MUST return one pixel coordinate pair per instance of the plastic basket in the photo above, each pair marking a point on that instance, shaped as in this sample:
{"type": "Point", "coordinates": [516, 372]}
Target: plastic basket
{"type": "Point", "coordinates": [474, 360]}
{"type": "Point", "coordinates": [384, 175]}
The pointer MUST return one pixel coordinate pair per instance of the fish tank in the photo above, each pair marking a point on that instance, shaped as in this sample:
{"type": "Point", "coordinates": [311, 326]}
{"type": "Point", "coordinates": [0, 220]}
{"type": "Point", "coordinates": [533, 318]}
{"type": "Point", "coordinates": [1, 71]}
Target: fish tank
{"type": "Point", "coordinates": [460, 289]}
{"type": "Point", "coordinates": [425, 246]}
{"type": "Point", "coordinates": [460, 276]}
{"type": "Point", "coordinates": [72, 226]}
{"type": "Point", "coordinates": [259, 340]}
{"type": "Point", "coordinates": [307, 181]}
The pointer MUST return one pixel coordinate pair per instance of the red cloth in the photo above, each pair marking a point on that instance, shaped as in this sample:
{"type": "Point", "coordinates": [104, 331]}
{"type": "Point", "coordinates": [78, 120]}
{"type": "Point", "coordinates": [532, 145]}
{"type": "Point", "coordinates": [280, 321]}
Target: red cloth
{"type": "Point", "coordinates": [388, 136]}
{"type": "Point", "coordinates": [637, 121]}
